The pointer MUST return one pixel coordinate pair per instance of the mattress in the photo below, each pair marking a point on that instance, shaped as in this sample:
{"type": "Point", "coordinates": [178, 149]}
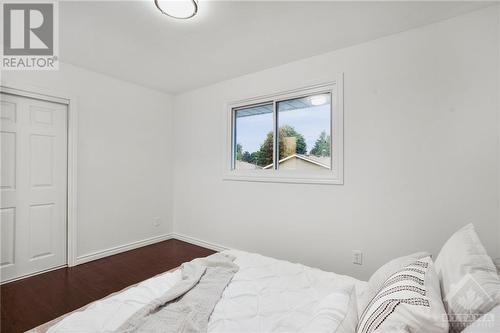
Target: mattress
{"type": "Point", "coordinates": [265, 295]}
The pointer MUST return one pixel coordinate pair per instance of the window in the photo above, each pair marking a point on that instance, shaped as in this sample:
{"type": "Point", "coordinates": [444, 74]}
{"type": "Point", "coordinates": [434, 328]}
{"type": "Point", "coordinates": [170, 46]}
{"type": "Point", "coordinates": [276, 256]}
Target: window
{"type": "Point", "coordinates": [304, 133]}
{"type": "Point", "coordinates": [253, 137]}
{"type": "Point", "coordinates": [288, 137]}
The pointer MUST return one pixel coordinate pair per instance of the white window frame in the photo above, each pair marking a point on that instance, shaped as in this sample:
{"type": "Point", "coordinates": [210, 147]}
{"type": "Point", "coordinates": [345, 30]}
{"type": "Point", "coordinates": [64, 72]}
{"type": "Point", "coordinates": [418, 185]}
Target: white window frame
{"type": "Point", "coordinates": [333, 176]}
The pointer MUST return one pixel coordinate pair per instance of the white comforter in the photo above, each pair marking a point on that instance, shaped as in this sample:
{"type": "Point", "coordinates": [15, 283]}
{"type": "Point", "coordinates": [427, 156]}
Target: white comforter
{"type": "Point", "coordinates": [265, 295]}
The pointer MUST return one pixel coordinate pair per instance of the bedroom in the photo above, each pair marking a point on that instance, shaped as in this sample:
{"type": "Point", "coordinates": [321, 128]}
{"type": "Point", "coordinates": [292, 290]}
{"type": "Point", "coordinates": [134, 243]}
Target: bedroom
{"type": "Point", "coordinates": [157, 139]}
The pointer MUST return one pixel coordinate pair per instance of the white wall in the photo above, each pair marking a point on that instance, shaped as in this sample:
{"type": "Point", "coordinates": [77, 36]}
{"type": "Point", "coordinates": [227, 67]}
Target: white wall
{"type": "Point", "coordinates": [497, 261]}
{"type": "Point", "coordinates": [124, 155]}
{"type": "Point", "coordinates": [421, 153]}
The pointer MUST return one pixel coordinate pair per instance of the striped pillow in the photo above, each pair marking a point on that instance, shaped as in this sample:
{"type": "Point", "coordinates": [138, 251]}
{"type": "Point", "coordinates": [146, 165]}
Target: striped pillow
{"type": "Point", "coordinates": [409, 297]}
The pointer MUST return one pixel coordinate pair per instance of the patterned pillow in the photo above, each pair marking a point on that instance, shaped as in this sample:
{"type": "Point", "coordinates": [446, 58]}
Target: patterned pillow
{"type": "Point", "coordinates": [409, 297]}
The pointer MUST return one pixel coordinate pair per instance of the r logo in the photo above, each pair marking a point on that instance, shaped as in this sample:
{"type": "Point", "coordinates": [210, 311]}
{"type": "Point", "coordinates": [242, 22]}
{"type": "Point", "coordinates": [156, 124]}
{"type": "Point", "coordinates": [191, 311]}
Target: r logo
{"type": "Point", "coordinates": [28, 29]}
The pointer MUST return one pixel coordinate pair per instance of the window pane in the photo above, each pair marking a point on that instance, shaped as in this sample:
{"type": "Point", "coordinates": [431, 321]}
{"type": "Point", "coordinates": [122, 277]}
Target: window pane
{"type": "Point", "coordinates": [253, 145]}
{"type": "Point", "coordinates": [305, 133]}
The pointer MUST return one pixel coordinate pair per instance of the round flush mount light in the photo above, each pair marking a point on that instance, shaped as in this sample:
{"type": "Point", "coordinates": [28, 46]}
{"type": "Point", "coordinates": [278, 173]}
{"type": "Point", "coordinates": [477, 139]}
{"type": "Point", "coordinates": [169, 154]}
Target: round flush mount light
{"type": "Point", "coordinates": [179, 9]}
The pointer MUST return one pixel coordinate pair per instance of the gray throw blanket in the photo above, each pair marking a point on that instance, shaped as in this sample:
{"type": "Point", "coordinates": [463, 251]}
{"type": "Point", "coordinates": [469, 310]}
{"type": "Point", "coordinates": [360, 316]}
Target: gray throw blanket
{"type": "Point", "coordinates": [187, 306]}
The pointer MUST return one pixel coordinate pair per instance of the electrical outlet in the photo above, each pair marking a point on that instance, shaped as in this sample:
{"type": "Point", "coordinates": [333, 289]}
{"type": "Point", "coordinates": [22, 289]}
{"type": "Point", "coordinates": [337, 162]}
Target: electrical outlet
{"type": "Point", "coordinates": [357, 257]}
{"type": "Point", "coordinates": [156, 221]}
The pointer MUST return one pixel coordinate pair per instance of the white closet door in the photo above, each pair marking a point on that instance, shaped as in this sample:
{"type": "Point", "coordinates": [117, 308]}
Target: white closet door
{"type": "Point", "coordinates": [33, 186]}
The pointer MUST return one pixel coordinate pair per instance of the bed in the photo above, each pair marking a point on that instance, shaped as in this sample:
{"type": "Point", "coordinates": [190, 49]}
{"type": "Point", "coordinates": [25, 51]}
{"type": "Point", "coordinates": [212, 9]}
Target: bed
{"type": "Point", "coordinates": [410, 294]}
{"type": "Point", "coordinates": [265, 295]}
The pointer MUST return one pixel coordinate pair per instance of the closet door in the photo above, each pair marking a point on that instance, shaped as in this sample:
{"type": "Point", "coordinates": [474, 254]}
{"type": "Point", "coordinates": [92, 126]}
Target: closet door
{"type": "Point", "coordinates": [33, 186]}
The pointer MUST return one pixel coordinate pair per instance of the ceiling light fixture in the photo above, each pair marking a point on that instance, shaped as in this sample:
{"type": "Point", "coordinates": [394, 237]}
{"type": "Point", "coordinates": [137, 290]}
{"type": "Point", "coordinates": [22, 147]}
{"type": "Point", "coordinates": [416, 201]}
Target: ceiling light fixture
{"type": "Point", "coordinates": [179, 9]}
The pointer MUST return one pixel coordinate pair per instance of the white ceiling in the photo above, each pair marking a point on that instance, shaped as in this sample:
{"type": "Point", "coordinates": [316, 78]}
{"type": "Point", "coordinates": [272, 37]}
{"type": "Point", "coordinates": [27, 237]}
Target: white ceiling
{"type": "Point", "coordinates": [133, 41]}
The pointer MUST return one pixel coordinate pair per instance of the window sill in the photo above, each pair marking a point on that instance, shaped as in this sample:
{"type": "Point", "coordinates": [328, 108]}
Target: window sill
{"type": "Point", "coordinates": [284, 179]}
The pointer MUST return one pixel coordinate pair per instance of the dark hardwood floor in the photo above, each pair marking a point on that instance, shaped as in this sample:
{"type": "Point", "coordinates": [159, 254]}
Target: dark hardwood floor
{"type": "Point", "coordinates": [35, 300]}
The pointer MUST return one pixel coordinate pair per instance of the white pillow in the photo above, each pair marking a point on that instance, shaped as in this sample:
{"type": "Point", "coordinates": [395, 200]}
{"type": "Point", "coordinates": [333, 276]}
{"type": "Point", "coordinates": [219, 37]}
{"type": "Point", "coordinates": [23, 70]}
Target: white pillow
{"type": "Point", "coordinates": [469, 282]}
{"type": "Point", "coordinates": [394, 329]}
{"type": "Point", "coordinates": [489, 323]}
{"type": "Point", "coordinates": [410, 299]}
{"type": "Point", "coordinates": [378, 278]}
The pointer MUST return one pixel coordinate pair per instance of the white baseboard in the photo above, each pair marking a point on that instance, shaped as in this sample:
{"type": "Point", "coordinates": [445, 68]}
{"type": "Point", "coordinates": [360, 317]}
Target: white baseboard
{"type": "Point", "coordinates": [33, 274]}
{"type": "Point", "coordinates": [121, 248]}
{"type": "Point", "coordinates": [199, 242]}
{"type": "Point", "coordinates": [134, 245]}
{"type": "Point", "coordinates": [131, 246]}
